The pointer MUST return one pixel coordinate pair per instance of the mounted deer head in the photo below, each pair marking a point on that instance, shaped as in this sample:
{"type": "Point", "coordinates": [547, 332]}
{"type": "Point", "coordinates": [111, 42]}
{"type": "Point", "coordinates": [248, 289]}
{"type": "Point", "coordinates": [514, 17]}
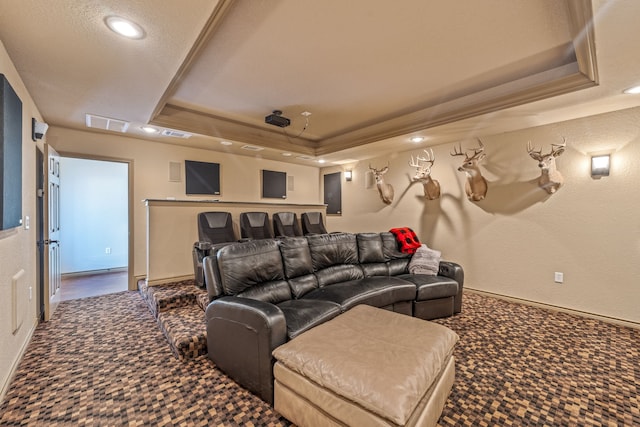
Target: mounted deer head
{"type": "Point", "coordinates": [476, 186]}
{"type": "Point", "coordinates": [423, 167]}
{"type": "Point", "coordinates": [550, 178]}
{"type": "Point", "coordinates": [385, 190]}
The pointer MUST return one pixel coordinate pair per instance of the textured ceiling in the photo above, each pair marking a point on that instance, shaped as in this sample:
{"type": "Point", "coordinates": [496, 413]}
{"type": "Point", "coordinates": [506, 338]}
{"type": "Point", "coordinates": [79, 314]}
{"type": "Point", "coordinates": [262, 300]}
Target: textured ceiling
{"type": "Point", "coordinates": [371, 72]}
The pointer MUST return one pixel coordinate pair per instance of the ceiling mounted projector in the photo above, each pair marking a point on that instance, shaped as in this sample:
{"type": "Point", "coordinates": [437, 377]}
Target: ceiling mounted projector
{"type": "Point", "coordinates": [277, 119]}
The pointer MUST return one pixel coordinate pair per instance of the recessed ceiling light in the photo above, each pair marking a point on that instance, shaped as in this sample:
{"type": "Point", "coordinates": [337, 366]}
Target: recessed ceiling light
{"type": "Point", "coordinates": [150, 129]}
{"type": "Point", "coordinates": [226, 142]}
{"type": "Point", "coordinates": [321, 160]}
{"type": "Point", "coordinates": [287, 154]}
{"type": "Point", "coordinates": [124, 27]}
{"type": "Point", "coordinates": [417, 139]}
{"type": "Point", "coordinates": [632, 90]}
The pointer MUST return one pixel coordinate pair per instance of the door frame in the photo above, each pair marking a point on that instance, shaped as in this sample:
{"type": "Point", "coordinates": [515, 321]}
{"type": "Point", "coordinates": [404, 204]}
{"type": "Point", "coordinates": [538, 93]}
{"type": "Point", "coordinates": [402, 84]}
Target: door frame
{"type": "Point", "coordinates": [40, 293]}
{"type": "Point", "coordinates": [132, 285]}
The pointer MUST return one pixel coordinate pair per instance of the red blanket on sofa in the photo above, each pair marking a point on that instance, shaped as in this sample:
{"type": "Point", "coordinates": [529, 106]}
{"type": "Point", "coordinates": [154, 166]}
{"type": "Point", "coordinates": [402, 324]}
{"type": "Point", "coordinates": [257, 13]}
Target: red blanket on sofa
{"type": "Point", "coordinates": [407, 239]}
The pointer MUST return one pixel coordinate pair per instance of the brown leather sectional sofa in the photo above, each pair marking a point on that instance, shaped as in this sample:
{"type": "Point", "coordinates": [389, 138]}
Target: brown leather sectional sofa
{"type": "Point", "coordinates": [266, 292]}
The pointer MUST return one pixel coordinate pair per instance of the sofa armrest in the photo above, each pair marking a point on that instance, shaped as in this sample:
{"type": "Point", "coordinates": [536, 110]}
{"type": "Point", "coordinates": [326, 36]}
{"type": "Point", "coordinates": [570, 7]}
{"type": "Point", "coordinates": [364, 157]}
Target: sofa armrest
{"type": "Point", "coordinates": [241, 334]}
{"type": "Point", "coordinates": [453, 271]}
{"type": "Point", "coordinates": [200, 251]}
{"type": "Point", "coordinates": [212, 277]}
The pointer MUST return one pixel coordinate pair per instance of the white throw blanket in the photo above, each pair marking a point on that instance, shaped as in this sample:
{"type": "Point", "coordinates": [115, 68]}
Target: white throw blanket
{"type": "Point", "coordinates": [425, 261]}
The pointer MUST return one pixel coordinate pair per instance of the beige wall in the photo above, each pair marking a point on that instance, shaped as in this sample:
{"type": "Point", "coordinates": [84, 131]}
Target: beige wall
{"type": "Point", "coordinates": [512, 242]}
{"type": "Point", "coordinates": [239, 175]}
{"type": "Point", "coordinates": [18, 246]}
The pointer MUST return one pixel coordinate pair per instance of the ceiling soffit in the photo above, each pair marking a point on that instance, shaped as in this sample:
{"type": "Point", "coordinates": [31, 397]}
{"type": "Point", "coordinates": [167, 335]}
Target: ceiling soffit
{"type": "Point", "coordinates": [556, 71]}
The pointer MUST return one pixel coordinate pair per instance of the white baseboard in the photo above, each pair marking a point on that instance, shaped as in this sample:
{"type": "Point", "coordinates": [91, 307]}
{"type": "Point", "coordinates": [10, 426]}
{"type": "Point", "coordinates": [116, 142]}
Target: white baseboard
{"type": "Point", "coordinates": [16, 363]}
{"type": "Point", "coordinates": [606, 319]}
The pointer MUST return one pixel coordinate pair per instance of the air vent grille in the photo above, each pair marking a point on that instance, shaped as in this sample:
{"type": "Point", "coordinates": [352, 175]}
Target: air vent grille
{"type": "Point", "coordinates": [175, 133]}
{"type": "Point", "coordinates": [305, 157]}
{"type": "Point", "coordinates": [251, 148]}
{"type": "Point", "coordinates": [106, 123]}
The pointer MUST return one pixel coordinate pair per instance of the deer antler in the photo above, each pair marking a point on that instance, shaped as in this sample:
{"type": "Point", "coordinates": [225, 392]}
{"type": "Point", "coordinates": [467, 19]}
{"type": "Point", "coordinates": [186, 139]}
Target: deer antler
{"type": "Point", "coordinates": [476, 151]}
{"type": "Point", "coordinates": [413, 164]}
{"type": "Point", "coordinates": [557, 149]}
{"type": "Point", "coordinates": [379, 171]}
{"type": "Point", "coordinates": [430, 157]}
{"type": "Point", "coordinates": [457, 151]}
{"type": "Point", "coordinates": [535, 155]}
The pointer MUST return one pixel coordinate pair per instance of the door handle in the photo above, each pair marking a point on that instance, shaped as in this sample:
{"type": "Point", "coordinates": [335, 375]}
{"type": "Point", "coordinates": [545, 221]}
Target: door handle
{"type": "Point", "coordinates": [46, 242]}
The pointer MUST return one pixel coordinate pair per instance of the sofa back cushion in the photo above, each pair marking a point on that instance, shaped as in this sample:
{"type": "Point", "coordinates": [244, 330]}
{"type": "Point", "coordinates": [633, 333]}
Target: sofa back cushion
{"type": "Point", "coordinates": [338, 274]}
{"type": "Point", "coordinates": [375, 269]}
{"type": "Point", "coordinates": [371, 254]}
{"type": "Point", "coordinates": [369, 248]}
{"type": "Point", "coordinates": [274, 292]}
{"type": "Point", "coordinates": [397, 262]}
{"type": "Point", "coordinates": [390, 247]}
{"type": "Point", "coordinates": [298, 267]}
{"type": "Point", "coordinates": [302, 284]}
{"type": "Point", "coordinates": [331, 249]}
{"type": "Point", "coordinates": [296, 257]}
{"type": "Point", "coordinates": [334, 257]}
{"type": "Point", "coordinates": [254, 270]}
{"type": "Point", "coordinates": [398, 266]}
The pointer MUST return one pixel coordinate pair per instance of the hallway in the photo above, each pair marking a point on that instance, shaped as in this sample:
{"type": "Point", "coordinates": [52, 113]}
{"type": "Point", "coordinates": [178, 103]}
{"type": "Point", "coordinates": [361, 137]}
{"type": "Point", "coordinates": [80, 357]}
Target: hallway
{"type": "Point", "coordinates": [75, 286]}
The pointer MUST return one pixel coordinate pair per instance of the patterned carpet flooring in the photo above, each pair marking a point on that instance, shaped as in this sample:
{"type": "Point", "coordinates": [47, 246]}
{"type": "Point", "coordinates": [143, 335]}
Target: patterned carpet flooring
{"type": "Point", "coordinates": [104, 361]}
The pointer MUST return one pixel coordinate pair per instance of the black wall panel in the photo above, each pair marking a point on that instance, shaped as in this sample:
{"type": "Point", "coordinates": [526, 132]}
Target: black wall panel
{"type": "Point", "coordinates": [202, 177]}
{"type": "Point", "coordinates": [333, 193]}
{"type": "Point", "coordinates": [10, 156]}
{"type": "Point", "coordinates": [274, 184]}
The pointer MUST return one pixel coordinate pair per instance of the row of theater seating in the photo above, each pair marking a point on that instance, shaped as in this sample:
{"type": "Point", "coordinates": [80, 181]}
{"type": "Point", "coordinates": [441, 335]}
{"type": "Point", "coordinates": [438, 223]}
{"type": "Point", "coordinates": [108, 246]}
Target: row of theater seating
{"type": "Point", "coordinates": [215, 229]}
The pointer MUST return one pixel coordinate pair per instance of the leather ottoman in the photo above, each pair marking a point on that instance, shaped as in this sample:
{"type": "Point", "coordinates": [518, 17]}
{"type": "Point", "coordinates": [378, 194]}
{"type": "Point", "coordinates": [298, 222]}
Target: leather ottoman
{"type": "Point", "coordinates": [366, 367]}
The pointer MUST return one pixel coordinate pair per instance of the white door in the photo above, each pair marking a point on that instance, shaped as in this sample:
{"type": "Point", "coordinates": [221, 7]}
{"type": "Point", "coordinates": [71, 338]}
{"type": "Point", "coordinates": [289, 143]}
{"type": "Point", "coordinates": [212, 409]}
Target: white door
{"type": "Point", "coordinates": [52, 232]}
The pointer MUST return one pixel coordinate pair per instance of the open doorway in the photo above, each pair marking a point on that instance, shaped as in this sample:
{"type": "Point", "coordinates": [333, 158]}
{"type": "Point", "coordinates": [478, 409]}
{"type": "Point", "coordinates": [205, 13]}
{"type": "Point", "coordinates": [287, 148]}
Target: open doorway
{"type": "Point", "coordinates": [94, 212]}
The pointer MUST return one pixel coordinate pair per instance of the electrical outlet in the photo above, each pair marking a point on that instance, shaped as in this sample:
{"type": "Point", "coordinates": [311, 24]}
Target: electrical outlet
{"type": "Point", "coordinates": [558, 277]}
{"type": "Point", "coordinates": [107, 251]}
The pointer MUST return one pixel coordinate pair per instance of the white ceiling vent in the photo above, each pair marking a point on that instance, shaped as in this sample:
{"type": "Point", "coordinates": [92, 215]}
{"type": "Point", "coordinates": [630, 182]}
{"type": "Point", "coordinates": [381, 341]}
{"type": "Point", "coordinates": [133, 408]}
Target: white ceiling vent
{"type": "Point", "coordinates": [305, 157]}
{"type": "Point", "coordinates": [175, 133]}
{"type": "Point", "coordinates": [106, 123]}
{"type": "Point", "coordinates": [251, 148]}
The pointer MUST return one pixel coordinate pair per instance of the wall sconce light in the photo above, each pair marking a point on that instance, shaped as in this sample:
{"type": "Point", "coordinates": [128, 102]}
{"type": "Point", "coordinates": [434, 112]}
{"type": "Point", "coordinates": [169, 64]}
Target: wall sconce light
{"type": "Point", "coordinates": [348, 175]}
{"type": "Point", "coordinates": [38, 129]}
{"type": "Point", "coordinates": [600, 166]}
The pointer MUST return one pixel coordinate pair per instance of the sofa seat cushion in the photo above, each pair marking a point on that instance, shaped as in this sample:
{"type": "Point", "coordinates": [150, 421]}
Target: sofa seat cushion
{"type": "Point", "coordinates": [375, 291]}
{"type": "Point", "coordinates": [302, 315]}
{"type": "Point", "coordinates": [431, 287]}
